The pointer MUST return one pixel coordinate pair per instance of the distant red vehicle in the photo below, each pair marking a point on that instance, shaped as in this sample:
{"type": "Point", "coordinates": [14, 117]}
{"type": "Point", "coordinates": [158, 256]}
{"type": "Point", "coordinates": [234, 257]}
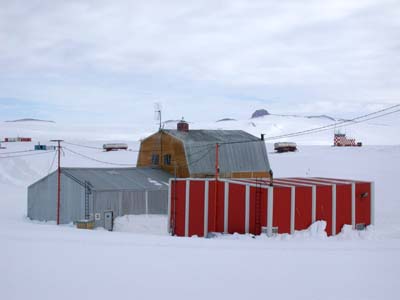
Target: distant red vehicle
{"type": "Point", "coordinates": [285, 147]}
{"type": "Point", "coordinates": [17, 139]}
{"type": "Point", "coordinates": [25, 139]}
{"type": "Point", "coordinates": [340, 140]}
{"type": "Point", "coordinates": [115, 147]}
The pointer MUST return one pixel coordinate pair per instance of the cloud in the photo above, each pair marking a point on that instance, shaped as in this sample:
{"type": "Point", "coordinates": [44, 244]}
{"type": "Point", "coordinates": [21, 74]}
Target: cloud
{"type": "Point", "coordinates": [89, 55]}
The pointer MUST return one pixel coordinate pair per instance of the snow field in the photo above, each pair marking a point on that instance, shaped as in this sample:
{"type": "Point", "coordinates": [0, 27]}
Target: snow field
{"type": "Point", "coordinates": [44, 261]}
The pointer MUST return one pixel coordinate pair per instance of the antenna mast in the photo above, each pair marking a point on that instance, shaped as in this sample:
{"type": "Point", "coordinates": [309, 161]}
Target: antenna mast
{"type": "Point", "coordinates": [157, 113]}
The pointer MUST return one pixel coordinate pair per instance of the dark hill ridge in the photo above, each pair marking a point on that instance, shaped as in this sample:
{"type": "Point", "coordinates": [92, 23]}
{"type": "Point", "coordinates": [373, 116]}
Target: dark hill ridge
{"type": "Point", "coordinates": [260, 113]}
{"type": "Point", "coordinates": [321, 117]}
{"type": "Point", "coordinates": [30, 120]}
{"type": "Point", "coordinates": [226, 119]}
{"type": "Point", "coordinates": [263, 112]}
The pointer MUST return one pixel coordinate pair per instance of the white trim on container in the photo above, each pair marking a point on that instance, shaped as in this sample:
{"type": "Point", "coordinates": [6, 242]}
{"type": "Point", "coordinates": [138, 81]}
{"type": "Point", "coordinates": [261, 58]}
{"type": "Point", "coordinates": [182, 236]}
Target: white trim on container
{"type": "Point", "coordinates": [292, 208]}
{"type": "Point", "coordinates": [169, 207]}
{"type": "Point", "coordinates": [291, 181]}
{"type": "Point", "coordinates": [226, 206]}
{"type": "Point", "coordinates": [247, 210]}
{"type": "Point", "coordinates": [270, 209]}
{"type": "Point", "coordinates": [187, 203]}
{"type": "Point", "coordinates": [253, 183]}
{"type": "Point", "coordinates": [206, 188]}
{"type": "Point", "coordinates": [195, 179]}
{"type": "Point", "coordinates": [333, 181]}
{"type": "Point", "coordinates": [334, 209]}
{"type": "Point", "coordinates": [313, 194]}
{"type": "Point", "coordinates": [372, 200]}
{"type": "Point", "coordinates": [243, 182]}
{"type": "Point", "coordinates": [353, 205]}
{"type": "Point", "coordinates": [314, 204]}
{"type": "Point", "coordinates": [342, 180]}
{"type": "Point", "coordinates": [311, 182]}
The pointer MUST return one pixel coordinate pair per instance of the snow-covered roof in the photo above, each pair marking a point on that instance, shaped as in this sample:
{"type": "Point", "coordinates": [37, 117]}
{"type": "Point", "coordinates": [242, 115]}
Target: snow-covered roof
{"type": "Point", "coordinates": [120, 178]}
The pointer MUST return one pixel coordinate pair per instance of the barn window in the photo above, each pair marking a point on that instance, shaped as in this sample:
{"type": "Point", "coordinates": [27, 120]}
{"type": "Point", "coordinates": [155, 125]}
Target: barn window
{"type": "Point", "coordinates": [155, 159]}
{"type": "Point", "coordinates": [167, 159]}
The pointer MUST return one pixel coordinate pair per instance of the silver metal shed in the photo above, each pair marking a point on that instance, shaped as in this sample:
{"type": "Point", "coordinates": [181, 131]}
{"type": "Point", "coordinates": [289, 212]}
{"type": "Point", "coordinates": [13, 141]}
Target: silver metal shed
{"type": "Point", "coordinates": [98, 193]}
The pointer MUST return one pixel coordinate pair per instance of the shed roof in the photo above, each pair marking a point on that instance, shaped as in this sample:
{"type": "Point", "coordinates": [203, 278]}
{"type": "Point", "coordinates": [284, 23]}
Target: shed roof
{"type": "Point", "coordinates": [239, 151]}
{"type": "Point", "coordinates": [121, 178]}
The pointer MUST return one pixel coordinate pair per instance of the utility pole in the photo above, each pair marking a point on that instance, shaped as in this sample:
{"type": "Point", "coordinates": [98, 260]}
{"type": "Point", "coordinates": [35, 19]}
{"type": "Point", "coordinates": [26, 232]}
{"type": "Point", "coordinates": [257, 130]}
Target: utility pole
{"type": "Point", "coordinates": [59, 179]}
{"type": "Point", "coordinates": [216, 185]}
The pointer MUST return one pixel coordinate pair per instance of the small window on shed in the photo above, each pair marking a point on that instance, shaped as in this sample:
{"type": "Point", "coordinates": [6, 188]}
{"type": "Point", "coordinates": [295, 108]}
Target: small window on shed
{"type": "Point", "coordinates": [155, 159]}
{"type": "Point", "coordinates": [167, 159]}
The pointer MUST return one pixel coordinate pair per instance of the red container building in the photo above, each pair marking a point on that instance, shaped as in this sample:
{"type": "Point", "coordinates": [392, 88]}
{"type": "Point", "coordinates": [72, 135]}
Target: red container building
{"type": "Point", "coordinates": [17, 139]}
{"type": "Point", "coordinates": [197, 206]}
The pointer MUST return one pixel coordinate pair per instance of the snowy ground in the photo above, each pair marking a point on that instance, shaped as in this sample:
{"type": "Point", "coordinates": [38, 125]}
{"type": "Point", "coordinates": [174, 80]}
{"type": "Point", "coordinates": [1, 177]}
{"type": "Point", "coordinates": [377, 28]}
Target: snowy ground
{"type": "Point", "coordinates": [43, 261]}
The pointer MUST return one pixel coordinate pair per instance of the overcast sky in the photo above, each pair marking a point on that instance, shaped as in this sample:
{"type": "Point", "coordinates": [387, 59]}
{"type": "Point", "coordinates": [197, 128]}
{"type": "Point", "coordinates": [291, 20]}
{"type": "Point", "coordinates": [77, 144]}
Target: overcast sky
{"type": "Point", "coordinates": [98, 61]}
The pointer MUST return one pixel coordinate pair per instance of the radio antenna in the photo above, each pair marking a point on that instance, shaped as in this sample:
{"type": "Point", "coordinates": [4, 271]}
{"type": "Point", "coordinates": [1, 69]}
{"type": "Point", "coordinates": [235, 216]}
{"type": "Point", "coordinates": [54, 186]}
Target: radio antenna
{"type": "Point", "coordinates": [157, 113]}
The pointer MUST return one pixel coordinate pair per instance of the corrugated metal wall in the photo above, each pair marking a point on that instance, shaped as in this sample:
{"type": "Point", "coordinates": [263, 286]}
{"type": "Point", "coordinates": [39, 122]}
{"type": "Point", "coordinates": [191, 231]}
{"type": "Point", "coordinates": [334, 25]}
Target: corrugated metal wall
{"type": "Point", "coordinates": [42, 200]}
{"type": "Point", "coordinates": [72, 201]}
{"type": "Point", "coordinates": [42, 197]}
{"type": "Point", "coordinates": [129, 203]}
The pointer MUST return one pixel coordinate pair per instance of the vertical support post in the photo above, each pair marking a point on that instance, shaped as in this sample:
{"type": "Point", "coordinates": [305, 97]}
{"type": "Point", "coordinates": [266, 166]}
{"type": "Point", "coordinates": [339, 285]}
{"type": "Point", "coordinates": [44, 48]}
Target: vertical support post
{"type": "Point", "coordinates": [247, 210]}
{"type": "Point", "coordinates": [372, 199]}
{"type": "Point", "coordinates": [206, 188]}
{"type": "Point", "coordinates": [270, 211]}
{"type": "Point", "coordinates": [58, 179]}
{"type": "Point", "coordinates": [353, 205]}
{"type": "Point", "coordinates": [174, 213]}
{"type": "Point", "coordinates": [314, 204]}
{"type": "Point", "coordinates": [169, 206]}
{"type": "Point", "coordinates": [58, 183]}
{"type": "Point", "coordinates": [187, 204]}
{"type": "Point", "coordinates": [334, 209]}
{"type": "Point", "coordinates": [120, 211]}
{"type": "Point", "coordinates": [216, 186]}
{"type": "Point", "coordinates": [292, 208]}
{"type": "Point", "coordinates": [271, 176]}
{"type": "Point", "coordinates": [226, 207]}
{"type": "Point", "coordinates": [146, 199]}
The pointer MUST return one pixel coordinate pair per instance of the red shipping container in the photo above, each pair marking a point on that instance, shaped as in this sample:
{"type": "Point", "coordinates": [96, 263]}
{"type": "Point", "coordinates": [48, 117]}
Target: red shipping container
{"type": "Point", "coordinates": [254, 206]}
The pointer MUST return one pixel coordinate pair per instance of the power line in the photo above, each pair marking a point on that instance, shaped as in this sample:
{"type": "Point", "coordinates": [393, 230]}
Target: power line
{"type": "Point", "coordinates": [83, 146]}
{"type": "Point", "coordinates": [353, 123]}
{"type": "Point", "coordinates": [193, 162]}
{"type": "Point", "coordinates": [199, 159]}
{"type": "Point", "coordinates": [12, 152]}
{"type": "Point", "coordinates": [51, 166]}
{"type": "Point", "coordinates": [23, 155]}
{"type": "Point", "coordinates": [97, 160]}
{"type": "Point", "coordinates": [344, 123]}
{"type": "Point", "coordinates": [98, 148]}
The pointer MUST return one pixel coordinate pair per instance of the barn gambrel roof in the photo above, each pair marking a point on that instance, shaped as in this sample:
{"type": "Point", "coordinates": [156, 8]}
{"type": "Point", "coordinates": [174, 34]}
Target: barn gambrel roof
{"type": "Point", "coordinates": [239, 151]}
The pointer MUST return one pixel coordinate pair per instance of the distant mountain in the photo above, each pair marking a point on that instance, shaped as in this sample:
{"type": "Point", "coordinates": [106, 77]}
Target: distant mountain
{"type": "Point", "coordinates": [321, 117]}
{"type": "Point", "coordinates": [260, 113]}
{"type": "Point", "coordinates": [226, 119]}
{"type": "Point", "coordinates": [309, 117]}
{"type": "Point", "coordinates": [31, 120]}
{"type": "Point", "coordinates": [171, 121]}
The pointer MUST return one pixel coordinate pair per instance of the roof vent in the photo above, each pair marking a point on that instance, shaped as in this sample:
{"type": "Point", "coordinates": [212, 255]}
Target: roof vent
{"type": "Point", "coordinates": [183, 126]}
